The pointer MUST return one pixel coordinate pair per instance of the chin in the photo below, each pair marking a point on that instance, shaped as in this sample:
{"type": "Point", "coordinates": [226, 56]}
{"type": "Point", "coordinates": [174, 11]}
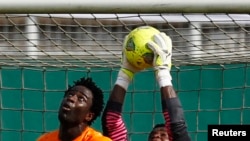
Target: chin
{"type": "Point", "coordinates": [64, 118]}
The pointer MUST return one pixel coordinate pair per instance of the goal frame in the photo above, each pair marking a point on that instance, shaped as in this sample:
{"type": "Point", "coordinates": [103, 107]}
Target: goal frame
{"type": "Point", "coordinates": [127, 6]}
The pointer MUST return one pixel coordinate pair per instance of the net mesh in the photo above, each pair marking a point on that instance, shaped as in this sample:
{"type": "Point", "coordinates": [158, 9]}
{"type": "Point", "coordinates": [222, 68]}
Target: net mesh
{"type": "Point", "coordinates": [95, 40]}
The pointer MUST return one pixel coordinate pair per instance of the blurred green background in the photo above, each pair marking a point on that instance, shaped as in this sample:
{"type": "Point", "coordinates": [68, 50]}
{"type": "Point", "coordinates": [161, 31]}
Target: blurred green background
{"type": "Point", "coordinates": [213, 94]}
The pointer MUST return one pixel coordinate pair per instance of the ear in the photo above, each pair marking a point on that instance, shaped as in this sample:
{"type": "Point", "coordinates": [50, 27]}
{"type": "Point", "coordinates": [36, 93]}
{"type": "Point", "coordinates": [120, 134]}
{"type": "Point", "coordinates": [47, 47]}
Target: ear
{"type": "Point", "coordinates": [89, 116]}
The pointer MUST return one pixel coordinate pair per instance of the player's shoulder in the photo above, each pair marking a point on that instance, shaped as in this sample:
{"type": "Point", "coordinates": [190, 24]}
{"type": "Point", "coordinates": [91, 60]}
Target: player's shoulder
{"type": "Point", "coordinates": [101, 138]}
{"type": "Point", "coordinates": [98, 136]}
{"type": "Point", "coordinates": [53, 136]}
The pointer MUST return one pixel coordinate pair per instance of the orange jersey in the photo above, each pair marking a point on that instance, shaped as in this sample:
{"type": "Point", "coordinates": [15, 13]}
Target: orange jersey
{"type": "Point", "coordinates": [89, 134]}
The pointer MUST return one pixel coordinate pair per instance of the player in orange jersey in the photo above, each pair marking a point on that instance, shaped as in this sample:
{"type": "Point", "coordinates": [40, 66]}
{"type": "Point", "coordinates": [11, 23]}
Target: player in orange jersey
{"type": "Point", "coordinates": [82, 104]}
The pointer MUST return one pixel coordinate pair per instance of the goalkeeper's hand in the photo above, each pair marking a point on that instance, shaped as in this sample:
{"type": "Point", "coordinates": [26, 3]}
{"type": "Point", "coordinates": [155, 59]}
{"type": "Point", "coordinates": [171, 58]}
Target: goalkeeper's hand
{"type": "Point", "coordinates": [127, 67]}
{"type": "Point", "coordinates": [162, 48]}
{"type": "Point", "coordinates": [127, 70]}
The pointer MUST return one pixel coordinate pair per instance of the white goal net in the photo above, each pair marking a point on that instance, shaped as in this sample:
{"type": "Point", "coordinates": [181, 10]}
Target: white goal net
{"type": "Point", "coordinates": [95, 40]}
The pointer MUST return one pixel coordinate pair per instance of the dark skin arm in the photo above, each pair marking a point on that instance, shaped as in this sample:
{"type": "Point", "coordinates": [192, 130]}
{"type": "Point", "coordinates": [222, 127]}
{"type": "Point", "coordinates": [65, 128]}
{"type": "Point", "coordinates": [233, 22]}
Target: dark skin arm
{"type": "Point", "coordinates": [112, 114]}
{"type": "Point", "coordinates": [118, 94]}
{"type": "Point", "coordinates": [174, 108]}
{"type": "Point", "coordinates": [167, 92]}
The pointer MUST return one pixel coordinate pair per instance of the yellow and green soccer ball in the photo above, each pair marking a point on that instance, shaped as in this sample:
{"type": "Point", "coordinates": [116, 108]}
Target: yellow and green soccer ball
{"type": "Point", "coordinates": [136, 50]}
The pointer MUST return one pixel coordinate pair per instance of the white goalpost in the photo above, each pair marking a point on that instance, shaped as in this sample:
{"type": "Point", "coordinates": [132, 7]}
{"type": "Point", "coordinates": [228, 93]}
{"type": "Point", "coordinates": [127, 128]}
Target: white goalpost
{"type": "Point", "coordinates": [128, 6]}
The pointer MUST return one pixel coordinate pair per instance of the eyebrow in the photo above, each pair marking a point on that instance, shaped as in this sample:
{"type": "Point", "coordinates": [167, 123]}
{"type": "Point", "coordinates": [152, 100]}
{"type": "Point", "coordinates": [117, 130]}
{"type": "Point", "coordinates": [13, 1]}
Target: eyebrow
{"type": "Point", "coordinates": [76, 90]}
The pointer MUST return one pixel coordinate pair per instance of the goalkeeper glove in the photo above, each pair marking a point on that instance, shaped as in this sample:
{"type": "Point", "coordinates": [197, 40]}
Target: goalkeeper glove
{"type": "Point", "coordinates": [127, 70]}
{"type": "Point", "coordinates": [162, 48]}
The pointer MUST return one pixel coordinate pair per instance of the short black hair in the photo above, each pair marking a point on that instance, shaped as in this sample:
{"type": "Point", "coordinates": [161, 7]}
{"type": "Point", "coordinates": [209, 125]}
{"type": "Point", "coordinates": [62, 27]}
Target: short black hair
{"type": "Point", "coordinates": [156, 126]}
{"type": "Point", "coordinates": [159, 125]}
{"type": "Point", "coordinates": [98, 102]}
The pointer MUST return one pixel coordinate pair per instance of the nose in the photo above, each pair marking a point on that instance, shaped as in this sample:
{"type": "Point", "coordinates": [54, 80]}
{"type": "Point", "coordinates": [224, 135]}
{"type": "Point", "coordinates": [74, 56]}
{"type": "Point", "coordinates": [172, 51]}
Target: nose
{"type": "Point", "coordinates": [72, 98]}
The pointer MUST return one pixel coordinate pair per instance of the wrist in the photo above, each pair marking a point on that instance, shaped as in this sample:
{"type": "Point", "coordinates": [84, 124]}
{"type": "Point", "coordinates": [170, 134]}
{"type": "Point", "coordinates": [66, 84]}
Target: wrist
{"type": "Point", "coordinates": [124, 78]}
{"type": "Point", "coordinates": [128, 73]}
{"type": "Point", "coordinates": [163, 77]}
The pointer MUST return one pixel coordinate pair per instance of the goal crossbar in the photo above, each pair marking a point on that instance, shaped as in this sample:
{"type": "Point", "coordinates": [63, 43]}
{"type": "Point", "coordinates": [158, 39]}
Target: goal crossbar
{"type": "Point", "coordinates": [127, 6]}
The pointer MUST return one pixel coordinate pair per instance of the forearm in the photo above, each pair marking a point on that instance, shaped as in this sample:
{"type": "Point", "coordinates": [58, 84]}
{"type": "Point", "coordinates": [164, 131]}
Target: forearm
{"type": "Point", "coordinates": [173, 107]}
{"type": "Point", "coordinates": [167, 92]}
{"type": "Point", "coordinates": [173, 113]}
{"type": "Point", "coordinates": [112, 122]}
{"type": "Point", "coordinates": [174, 117]}
{"type": "Point", "coordinates": [118, 94]}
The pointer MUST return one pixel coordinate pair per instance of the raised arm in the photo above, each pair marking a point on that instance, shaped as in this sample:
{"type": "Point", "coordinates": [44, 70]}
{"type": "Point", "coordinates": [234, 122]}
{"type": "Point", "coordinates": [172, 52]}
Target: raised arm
{"type": "Point", "coordinates": [173, 115]}
{"type": "Point", "coordinates": [112, 121]}
{"type": "Point", "coordinates": [171, 106]}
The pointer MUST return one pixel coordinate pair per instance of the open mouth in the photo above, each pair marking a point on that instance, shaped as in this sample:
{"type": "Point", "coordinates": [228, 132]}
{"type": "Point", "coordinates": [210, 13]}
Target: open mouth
{"type": "Point", "coordinates": [66, 107]}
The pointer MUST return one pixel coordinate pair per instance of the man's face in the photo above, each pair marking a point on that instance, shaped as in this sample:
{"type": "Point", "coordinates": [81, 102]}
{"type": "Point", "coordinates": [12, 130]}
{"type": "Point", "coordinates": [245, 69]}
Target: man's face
{"type": "Point", "coordinates": [158, 134]}
{"type": "Point", "coordinates": [75, 106]}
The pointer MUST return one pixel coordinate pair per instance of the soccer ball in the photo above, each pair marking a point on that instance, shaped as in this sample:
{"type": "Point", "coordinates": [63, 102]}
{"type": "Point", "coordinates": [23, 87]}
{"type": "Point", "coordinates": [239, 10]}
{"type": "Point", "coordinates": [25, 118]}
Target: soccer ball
{"type": "Point", "coordinates": [135, 47]}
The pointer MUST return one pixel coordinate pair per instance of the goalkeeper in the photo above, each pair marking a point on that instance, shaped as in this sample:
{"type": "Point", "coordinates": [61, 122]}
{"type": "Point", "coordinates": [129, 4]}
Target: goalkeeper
{"type": "Point", "coordinates": [174, 128]}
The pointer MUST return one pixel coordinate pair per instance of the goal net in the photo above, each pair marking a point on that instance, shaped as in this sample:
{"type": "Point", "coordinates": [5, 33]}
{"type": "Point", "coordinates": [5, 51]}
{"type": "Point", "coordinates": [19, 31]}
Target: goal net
{"type": "Point", "coordinates": [40, 54]}
{"type": "Point", "coordinates": [95, 40]}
